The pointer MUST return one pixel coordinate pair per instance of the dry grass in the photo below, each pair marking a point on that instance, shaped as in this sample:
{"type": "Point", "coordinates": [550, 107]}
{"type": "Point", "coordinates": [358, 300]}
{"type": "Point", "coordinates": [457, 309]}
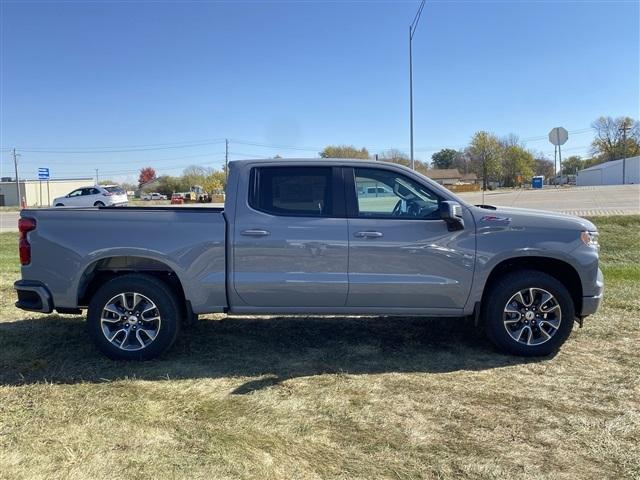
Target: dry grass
{"type": "Point", "coordinates": [326, 398]}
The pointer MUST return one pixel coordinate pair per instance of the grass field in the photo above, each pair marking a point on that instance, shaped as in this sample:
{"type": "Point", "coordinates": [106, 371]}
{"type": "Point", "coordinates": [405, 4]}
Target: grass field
{"type": "Point", "coordinates": [295, 398]}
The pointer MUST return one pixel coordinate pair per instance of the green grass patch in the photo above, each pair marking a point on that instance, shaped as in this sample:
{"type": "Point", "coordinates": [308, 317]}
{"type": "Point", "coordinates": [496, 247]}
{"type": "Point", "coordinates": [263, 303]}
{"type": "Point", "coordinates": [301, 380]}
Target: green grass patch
{"type": "Point", "coordinates": [283, 398]}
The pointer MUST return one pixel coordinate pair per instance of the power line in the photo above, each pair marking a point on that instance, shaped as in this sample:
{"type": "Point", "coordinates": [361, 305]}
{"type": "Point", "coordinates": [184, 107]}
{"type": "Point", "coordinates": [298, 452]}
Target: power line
{"type": "Point", "coordinates": [281, 147]}
{"type": "Point", "coordinates": [103, 150]}
{"type": "Point", "coordinates": [169, 144]}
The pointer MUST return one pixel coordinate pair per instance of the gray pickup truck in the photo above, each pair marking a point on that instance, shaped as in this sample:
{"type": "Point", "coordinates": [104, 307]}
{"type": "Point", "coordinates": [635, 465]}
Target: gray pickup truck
{"type": "Point", "coordinates": [346, 237]}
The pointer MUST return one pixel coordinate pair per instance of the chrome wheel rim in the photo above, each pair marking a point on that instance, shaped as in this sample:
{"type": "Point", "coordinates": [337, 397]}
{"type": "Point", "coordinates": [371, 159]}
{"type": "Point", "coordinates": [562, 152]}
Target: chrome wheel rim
{"type": "Point", "coordinates": [130, 321]}
{"type": "Point", "coordinates": [532, 316]}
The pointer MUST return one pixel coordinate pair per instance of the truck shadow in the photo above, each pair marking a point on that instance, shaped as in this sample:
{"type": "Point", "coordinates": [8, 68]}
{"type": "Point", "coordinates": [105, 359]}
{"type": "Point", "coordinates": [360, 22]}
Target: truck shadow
{"type": "Point", "coordinates": [267, 350]}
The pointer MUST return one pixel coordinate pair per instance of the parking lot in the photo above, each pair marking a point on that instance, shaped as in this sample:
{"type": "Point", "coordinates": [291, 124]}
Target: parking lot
{"type": "Point", "coordinates": [581, 201]}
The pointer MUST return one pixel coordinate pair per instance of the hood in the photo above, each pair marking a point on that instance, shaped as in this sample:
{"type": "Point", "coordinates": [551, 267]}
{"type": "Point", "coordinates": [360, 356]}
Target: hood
{"type": "Point", "coordinates": [525, 217]}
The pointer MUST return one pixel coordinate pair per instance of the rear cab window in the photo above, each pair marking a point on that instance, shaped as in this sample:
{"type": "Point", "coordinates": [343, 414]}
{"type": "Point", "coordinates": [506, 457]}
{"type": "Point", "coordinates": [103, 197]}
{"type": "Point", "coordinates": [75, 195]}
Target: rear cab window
{"type": "Point", "coordinates": [292, 191]}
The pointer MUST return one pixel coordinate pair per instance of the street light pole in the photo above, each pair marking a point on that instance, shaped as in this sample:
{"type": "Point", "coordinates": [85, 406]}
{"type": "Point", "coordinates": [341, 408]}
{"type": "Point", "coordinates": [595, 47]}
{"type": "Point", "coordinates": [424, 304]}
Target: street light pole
{"type": "Point", "coordinates": [412, 31]}
{"type": "Point", "coordinates": [413, 165]}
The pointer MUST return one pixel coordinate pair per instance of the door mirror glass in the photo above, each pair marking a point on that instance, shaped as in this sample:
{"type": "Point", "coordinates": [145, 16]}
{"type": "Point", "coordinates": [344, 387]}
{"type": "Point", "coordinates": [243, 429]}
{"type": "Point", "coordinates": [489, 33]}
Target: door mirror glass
{"type": "Point", "coordinates": [451, 212]}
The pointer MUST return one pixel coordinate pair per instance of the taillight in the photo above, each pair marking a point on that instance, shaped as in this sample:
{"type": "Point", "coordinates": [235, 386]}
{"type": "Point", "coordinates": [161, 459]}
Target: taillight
{"type": "Point", "coordinates": [25, 225]}
{"type": "Point", "coordinates": [107, 194]}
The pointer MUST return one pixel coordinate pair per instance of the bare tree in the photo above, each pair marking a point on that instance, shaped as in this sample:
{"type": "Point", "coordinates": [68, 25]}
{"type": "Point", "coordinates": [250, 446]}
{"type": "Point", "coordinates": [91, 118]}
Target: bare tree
{"type": "Point", "coordinates": [609, 143]}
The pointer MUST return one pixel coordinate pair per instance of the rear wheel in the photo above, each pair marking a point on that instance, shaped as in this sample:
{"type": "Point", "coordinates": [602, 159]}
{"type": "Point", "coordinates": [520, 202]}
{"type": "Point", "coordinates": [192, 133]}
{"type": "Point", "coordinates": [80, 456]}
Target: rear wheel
{"type": "Point", "coordinates": [528, 313]}
{"type": "Point", "coordinates": [134, 317]}
{"type": "Point", "coordinates": [98, 204]}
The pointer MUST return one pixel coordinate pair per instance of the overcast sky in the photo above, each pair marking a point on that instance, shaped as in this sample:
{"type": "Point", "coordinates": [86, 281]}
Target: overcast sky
{"type": "Point", "coordinates": [87, 82]}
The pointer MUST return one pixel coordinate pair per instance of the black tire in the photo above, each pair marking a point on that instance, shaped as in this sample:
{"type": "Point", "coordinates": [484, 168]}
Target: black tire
{"type": "Point", "coordinates": [502, 291]}
{"type": "Point", "coordinates": [98, 204]}
{"type": "Point", "coordinates": [59, 204]}
{"type": "Point", "coordinates": [159, 293]}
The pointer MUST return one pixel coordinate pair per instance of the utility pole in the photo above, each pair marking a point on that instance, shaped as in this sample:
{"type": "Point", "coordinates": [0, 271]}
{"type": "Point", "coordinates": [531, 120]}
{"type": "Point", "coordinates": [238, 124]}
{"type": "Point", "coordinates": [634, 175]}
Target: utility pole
{"type": "Point", "coordinates": [624, 129]}
{"type": "Point", "coordinates": [15, 164]}
{"type": "Point", "coordinates": [412, 31]}
{"type": "Point", "coordinates": [97, 179]}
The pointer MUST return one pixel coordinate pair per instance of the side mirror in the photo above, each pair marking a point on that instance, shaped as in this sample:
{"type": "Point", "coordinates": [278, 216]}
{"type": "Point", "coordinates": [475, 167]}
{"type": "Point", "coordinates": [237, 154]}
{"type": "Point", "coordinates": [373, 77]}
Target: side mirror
{"type": "Point", "coordinates": [451, 212]}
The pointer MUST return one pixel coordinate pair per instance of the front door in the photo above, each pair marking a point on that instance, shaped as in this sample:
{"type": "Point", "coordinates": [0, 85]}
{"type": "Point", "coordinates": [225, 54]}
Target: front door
{"type": "Point", "coordinates": [290, 238]}
{"type": "Point", "coordinates": [401, 253]}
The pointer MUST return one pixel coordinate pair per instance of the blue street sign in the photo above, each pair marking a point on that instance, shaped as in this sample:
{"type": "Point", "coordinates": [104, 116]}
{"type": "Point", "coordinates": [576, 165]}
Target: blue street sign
{"type": "Point", "coordinates": [43, 174]}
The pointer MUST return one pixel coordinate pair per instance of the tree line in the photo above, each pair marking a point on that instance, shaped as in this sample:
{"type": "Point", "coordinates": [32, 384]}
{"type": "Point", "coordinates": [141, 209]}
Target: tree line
{"type": "Point", "coordinates": [504, 160]}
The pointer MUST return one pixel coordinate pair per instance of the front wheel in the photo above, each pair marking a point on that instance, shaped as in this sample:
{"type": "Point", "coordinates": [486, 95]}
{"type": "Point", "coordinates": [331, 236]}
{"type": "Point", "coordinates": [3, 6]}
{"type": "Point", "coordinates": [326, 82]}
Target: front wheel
{"type": "Point", "coordinates": [98, 204]}
{"type": "Point", "coordinates": [134, 317]}
{"type": "Point", "coordinates": [59, 204]}
{"type": "Point", "coordinates": [528, 313]}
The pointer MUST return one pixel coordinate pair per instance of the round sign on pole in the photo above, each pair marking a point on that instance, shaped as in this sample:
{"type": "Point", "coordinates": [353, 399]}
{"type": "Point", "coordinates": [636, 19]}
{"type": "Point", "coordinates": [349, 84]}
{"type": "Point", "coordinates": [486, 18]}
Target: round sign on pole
{"type": "Point", "coordinates": [558, 136]}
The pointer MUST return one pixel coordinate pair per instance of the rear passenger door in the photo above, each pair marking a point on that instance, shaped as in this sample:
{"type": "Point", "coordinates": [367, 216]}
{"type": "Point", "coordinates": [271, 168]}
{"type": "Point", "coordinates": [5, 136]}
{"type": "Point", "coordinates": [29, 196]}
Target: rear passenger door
{"type": "Point", "coordinates": [290, 245]}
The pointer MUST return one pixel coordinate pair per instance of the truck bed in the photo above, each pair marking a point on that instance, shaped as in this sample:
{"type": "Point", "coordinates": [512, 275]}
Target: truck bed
{"type": "Point", "coordinates": [73, 246]}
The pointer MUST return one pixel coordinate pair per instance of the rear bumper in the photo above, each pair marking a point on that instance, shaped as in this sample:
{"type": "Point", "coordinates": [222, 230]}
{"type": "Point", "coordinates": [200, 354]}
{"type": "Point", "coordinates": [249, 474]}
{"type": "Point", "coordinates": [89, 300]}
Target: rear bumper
{"type": "Point", "coordinates": [33, 296]}
{"type": "Point", "coordinates": [591, 304]}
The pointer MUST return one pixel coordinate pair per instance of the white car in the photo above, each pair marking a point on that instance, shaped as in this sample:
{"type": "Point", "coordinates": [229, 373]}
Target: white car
{"type": "Point", "coordinates": [95, 196]}
{"type": "Point", "coordinates": [153, 196]}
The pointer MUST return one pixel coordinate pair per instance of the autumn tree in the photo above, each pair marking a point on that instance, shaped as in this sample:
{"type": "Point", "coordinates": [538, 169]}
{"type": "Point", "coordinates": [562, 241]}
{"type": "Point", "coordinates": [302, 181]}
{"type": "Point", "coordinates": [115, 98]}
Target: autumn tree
{"type": "Point", "coordinates": [609, 143]}
{"type": "Point", "coordinates": [147, 174]}
{"type": "Point", "coordinates": [344, 151]}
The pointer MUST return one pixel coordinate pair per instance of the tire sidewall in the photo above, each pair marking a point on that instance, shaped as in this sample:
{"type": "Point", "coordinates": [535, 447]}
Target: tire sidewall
{"type": "Point", "coordinates": [500, 294]}
{"type": "Point", "coordinates": [158, 292]}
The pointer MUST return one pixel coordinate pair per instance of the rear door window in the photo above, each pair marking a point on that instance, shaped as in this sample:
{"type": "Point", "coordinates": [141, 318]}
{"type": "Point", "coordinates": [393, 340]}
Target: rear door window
{"type": "Point", "coordinates": [292, 191]}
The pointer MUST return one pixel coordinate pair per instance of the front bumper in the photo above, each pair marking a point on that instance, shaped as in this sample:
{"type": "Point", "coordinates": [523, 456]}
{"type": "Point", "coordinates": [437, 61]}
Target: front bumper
{"type": "Point", "coordinates": [33, 296]}
{"type": "Point", "coordinates": [591, 304]}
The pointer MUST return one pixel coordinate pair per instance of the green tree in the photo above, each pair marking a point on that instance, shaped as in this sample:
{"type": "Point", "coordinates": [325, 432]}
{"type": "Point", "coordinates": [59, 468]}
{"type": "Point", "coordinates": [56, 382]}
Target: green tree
{"type": "Point", "coordinates": [485, 152]}
{"type": "Point", "coordinates": [609, 143]}
{"type": "Point", "coordinates": [344, 151]}
{"type": "Point", "coordinates": [445, 158]}
{"type": "Point", "coordinates": [168, 185]}
{"type": "Point", "coordinates": [517, 163]}
{"type": "Point", "coordinates": [572, 164]}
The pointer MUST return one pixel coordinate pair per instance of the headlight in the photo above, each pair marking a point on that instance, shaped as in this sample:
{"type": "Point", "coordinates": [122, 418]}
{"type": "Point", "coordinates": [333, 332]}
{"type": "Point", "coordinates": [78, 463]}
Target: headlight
{"type": "Point", "coordinates": [590, 239]}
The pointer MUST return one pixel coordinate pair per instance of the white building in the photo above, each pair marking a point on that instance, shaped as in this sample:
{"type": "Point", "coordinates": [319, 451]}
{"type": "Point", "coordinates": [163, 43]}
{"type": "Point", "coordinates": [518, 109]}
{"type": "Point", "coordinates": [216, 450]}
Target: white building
{"type": "Point", "coordinates": [38, 193]}
{"type": "Point", "coordinates": [610, 173]}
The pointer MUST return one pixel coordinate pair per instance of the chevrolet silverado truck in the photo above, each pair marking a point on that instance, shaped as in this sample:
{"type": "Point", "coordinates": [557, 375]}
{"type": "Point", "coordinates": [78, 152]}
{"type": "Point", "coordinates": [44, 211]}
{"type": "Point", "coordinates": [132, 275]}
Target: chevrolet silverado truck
{"type": "Point", "coordinates": [325, 236]}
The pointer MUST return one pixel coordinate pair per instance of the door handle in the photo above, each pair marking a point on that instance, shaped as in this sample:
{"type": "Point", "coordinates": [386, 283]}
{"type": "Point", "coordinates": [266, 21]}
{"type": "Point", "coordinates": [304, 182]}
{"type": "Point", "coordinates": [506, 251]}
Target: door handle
{"type": "Point", "coordinates": [368, 234]}
{"type": "Point", "coordinates": [254, 233]}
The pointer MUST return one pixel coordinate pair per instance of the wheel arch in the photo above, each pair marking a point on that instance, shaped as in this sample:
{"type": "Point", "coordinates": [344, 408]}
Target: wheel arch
{"type": "Point", "coordinates": [559, 269]}
{"type": "Point", "coordinates": [100, 271]}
